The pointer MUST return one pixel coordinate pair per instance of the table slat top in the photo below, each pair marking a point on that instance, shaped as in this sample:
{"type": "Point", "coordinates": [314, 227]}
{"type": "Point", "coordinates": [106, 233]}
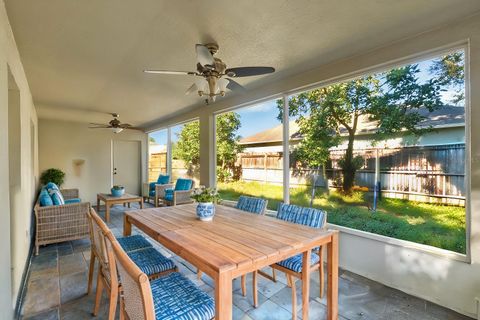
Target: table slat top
{"type": "Point", "coordinates": [233, 240]}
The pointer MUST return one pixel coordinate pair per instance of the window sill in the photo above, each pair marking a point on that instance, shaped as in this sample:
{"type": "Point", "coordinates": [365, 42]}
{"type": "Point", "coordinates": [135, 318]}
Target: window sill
{"type": "Point", "coordinates": [442, 253]}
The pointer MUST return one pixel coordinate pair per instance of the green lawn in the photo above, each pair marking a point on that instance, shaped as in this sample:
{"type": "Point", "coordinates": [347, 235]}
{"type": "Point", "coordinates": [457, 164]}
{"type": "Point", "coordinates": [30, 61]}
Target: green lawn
{"type": "Point", "coordinates": [435, 225]}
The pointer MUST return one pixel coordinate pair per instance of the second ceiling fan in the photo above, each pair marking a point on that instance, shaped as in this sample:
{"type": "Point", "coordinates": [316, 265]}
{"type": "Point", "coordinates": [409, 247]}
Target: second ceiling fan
{"type": "Point", "coordinates": [213, 76]}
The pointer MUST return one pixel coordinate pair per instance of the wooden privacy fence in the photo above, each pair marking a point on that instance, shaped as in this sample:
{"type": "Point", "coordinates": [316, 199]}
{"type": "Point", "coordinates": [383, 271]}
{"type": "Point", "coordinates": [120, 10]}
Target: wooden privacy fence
{"type": "Point", "coordinates": [157, 163]}
{"type": "Point", "coordinates": [427, 173]}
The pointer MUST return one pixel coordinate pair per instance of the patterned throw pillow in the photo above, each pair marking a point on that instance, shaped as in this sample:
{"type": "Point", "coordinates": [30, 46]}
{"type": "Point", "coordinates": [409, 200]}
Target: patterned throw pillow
{"type": "Point", "coordinates": [57, 197]}
{"type": "Point", "coordinates": [51, 186]}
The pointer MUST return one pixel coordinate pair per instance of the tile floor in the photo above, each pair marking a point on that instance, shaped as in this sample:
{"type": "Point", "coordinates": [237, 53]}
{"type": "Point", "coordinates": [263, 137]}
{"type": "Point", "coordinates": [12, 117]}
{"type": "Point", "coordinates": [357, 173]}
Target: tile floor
{"type": "Point", "coordinates": [57, 285]}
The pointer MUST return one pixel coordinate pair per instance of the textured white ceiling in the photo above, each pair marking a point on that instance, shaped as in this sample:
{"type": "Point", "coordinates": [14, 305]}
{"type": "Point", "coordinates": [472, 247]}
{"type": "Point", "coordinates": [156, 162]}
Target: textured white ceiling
{"type": "Point", "coordinates": [89, 55]}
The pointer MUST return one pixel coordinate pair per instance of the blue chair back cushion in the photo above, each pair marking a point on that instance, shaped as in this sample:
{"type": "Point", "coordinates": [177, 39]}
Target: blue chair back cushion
{"type": "Point", "coordinates": [45, 199]}
{"type": "Point", "coordinates": [163, 179]}
{"type": "Point", "coordinates": [251, 204]}
{"type": "Point", "coordinates": [57, 197]}
{"type": "Point", "coordinates": [311, 217]}
{"type": "Point", "coordinates": [183, 184]}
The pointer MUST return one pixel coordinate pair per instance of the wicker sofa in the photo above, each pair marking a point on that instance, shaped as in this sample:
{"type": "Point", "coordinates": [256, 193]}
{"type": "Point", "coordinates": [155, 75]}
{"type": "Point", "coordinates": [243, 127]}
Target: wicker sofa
{"type": "Point", "coordinates": [60, 223]}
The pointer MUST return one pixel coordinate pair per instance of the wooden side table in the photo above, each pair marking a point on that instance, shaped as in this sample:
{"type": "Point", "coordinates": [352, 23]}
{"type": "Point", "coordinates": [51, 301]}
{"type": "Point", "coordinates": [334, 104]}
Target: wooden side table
{"type": "Point", "coordinates": [110, 200]}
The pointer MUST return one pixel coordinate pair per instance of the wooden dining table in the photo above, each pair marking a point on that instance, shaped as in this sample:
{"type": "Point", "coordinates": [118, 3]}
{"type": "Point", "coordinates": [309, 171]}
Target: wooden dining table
{"type": "Point", "coordinates": [235, 243]}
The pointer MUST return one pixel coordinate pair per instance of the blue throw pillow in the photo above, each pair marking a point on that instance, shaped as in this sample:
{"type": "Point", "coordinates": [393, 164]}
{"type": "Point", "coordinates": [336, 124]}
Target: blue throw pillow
{"type": "Point", "coordinates": [57, 197]}
{"type": "Point", "coordinates": [45, 199]}
{"type": "Point", "coordinates": [52, 186]}
{"type": "Point", "coordinates": [163, 179]}
{"type": "Point", "coordinates": [183, 184]}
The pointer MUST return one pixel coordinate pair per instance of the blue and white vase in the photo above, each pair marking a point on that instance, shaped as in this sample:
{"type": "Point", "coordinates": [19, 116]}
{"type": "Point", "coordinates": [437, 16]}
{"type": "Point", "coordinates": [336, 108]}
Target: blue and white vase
{"type": "Point", "coordinates": [205, 211]}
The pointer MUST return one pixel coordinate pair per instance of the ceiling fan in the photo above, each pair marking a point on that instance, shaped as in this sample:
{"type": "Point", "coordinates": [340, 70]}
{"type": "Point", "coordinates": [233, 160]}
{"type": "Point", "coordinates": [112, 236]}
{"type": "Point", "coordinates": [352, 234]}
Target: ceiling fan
{"type": "Point", "coordinates": [213, 76]}
{"type": "Point", "coordinates": [114, 124]}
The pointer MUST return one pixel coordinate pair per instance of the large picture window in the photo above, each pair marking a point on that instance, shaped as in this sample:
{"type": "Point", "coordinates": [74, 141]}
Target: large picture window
{"type": "Point", "coordinates": [383, 153]}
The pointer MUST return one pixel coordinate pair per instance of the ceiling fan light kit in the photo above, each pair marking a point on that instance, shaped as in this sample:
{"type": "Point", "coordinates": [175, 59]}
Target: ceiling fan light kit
{"type": "Point", "coordinates": [213, 76]}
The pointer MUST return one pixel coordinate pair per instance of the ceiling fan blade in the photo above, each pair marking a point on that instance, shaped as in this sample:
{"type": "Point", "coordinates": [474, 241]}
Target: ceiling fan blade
{"type": "Point", "coordinates": [248, 71]}
{"type": "Point", "coordinates": [98, 126]}
{"type": "Point", "coordinates": [191, 89]}
{"type": "Point", "coordinates": [204, 57]}
{"type": "Point", "coordinates": [180, 73]}
{"type": "Point", "coordinates": [234, 85]}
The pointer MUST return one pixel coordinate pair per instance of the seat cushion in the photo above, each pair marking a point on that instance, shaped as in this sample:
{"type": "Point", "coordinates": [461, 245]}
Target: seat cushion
{"type": "Point", "coordinates": [73, 200]}
{"type": "Point", "coordinates": [183, 184]}
{"type": "Point", "coordinates": [44, 198]}
{"type": "Point", "coordinates": [295, 263]}
{"type": "Point", "coordinates": [135, 242]}
{"type": "Point", "coordinates": [163, 179]}
{"type": "Point", "coordinates": [176, 297]}
{"type": "Point", "coordinates": [150, 261]}
{"type": "Point", "coordinates": [151, 186]}
{"type": "Point", "coordinates": [57, 197]}
{"type": "Point", "coordinates": [169, 194]}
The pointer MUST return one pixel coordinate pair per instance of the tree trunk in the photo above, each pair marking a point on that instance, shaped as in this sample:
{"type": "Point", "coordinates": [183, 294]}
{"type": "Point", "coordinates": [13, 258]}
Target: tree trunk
{"type": "Point", "coordinates": [349, 167]}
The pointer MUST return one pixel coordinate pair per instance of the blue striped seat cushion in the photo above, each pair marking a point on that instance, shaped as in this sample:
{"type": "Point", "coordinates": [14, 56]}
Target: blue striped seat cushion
{"type": "Point", "coordinates": [251, 204]}
{"type": "Point", "coordinates": [295, 263]}
{"type": "Point", "coordinates": [135, 242]}
{"type": "Point", "coordinates": [150, 261]}
{"type": "Point", "coordinates": [177, 298]}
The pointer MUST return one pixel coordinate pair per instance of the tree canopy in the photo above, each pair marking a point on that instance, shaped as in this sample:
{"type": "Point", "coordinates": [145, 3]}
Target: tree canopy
{"type": "Point", "coordinates": [187, 147]}
{"type": "Point", "coordinates": [328, 115]}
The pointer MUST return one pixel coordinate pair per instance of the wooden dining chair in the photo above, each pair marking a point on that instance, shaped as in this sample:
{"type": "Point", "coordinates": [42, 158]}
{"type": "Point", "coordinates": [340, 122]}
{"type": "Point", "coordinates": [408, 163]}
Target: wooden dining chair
{"type": "Point", "coordinates": [252, 205]}
{"type": "Point", "coordinates": [168, 298]}
{"type": "Point", "coordinates": [152, 262]}
{"type": "Point", "coordinates": [292, 267]}
{"type": "Point", "coordinates": [129, 243]}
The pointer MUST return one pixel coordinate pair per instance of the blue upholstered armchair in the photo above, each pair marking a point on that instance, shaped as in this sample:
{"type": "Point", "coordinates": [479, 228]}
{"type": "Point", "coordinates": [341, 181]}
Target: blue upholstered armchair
{"type": "Point", "coordinates": [179, 193]}
{"type": "Point", "coordinates": [155, 190]}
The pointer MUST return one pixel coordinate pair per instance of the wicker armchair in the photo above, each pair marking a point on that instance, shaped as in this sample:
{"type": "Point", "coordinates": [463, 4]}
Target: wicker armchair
{"type": "Point", "coordinates": [179, 196]}
{"type": "Point", "coordinates": [61, 223]}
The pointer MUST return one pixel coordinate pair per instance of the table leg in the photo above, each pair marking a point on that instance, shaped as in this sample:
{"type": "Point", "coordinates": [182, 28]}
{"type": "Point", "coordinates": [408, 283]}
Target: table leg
{"type": "Point", "coordinates": [332, 269]}
{"type": "Point", "coordinates": [223, 296]}
{"type": "Point", "coordinates": [141, 204]}
{"type": "Point", "coordinates": [107, 212]}
{"type": "Point", "coordinates": [306, 264]}
{"type": "Point", "coordinates": [127, 226]}
{"type": "Point", "coordinates": [128, 204]}
{"type": "Point", "coordinates": [98, 204]}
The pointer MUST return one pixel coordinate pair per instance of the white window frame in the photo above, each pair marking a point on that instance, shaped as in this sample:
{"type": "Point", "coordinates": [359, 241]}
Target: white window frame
{"type": "Point", "coordinates": [411, 59]}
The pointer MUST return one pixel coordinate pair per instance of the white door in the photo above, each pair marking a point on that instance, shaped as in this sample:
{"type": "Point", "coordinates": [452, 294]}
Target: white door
{"type": "Point", "coordinates": [127, 165]}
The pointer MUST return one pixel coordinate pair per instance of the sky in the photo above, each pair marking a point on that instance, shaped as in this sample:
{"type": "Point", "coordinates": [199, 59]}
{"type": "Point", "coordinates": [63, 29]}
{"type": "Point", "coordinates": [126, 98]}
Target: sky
{"type": "Point", "coordinates": [263, 116]}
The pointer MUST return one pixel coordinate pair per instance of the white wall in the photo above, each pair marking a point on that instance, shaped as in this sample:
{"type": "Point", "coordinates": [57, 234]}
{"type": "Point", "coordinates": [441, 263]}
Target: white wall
{"type": "Point", "coordinates": [15, 254]}
{"type": "Point", "coordinates": [62, 142]}
{"type": "Point", "coordinates": [443, 280]}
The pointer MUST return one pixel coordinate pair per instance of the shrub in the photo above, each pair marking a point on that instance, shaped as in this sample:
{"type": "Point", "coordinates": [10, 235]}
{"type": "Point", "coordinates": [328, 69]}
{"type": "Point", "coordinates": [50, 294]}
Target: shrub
{"type": "Point", "coordinates": [56, 176]}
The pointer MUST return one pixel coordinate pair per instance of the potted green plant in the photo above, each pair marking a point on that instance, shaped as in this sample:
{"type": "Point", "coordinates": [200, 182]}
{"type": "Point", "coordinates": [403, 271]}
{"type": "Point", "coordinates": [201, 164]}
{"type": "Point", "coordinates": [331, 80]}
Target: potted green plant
{"type": "Point", "coordinates": [118, 191]}
{"type": "Point", "coordinates": [54, 175]}
{"type": "Point", "coordinates": [206, 199]}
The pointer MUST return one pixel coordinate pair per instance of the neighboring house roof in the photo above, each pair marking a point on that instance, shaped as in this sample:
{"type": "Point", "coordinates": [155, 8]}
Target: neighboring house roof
{"type": "Point", "coordinates": [447, 116]}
